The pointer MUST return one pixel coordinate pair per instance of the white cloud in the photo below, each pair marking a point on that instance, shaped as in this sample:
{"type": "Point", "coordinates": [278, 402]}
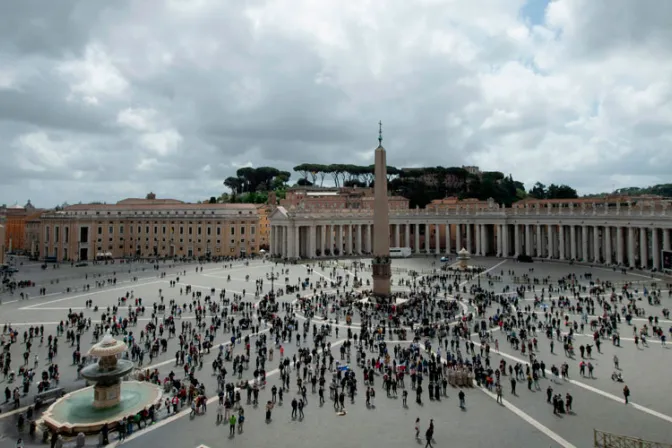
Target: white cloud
{"type": "Point", "coordinates": [162, 143]}
{"type": "Point", "coordinates": [38, 152]}
{"type": "Point", "coordinates": [137, 119]}
{"type": "Point", "coordinates": [93, 76]}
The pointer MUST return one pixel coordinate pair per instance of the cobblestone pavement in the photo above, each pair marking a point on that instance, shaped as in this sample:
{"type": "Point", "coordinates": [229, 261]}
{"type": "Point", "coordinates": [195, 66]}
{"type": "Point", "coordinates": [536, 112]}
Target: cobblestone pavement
{"type": "Point", "coordinates": [525, 419]}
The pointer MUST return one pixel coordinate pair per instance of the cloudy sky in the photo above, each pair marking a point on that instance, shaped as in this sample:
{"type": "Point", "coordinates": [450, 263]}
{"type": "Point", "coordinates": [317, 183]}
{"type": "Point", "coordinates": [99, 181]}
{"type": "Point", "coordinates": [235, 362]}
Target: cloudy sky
{"type": "Point", "coordinates": [102, 100]}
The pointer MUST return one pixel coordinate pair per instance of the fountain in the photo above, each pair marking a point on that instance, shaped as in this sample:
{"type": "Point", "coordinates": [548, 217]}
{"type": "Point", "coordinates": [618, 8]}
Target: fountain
{"type": "Point", "coordinates": [463, 257]}
{"type": "Point", "coordinates": [112, 399]}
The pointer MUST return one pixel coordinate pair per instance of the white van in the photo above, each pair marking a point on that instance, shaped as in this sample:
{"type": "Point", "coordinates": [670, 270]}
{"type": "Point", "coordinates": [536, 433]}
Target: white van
{"type": "Point", "coordinates": [400, 252]}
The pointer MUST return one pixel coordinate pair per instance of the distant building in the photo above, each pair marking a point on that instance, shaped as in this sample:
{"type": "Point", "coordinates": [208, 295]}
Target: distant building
{"type": "Point", "coordinates": [149, 228]}
{"type": "Point", "coordinates": [2, 243]}
{"type": "Point", "coordinates": [264, 226]}
{"type": "Point", "coordinates": [476, 171]}
{"type": "Point", "coordinates": [15, 226]}
{"type": "Point", "coordinates": [349, 198]}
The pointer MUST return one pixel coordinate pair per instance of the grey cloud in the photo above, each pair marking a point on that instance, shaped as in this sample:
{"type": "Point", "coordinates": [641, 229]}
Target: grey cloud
{"type": "Point", "coordinates": [297, 88]}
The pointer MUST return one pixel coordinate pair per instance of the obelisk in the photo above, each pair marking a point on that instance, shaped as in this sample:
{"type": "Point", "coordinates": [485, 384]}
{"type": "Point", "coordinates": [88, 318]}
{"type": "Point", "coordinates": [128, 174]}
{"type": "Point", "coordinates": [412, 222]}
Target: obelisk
{"type": "Point", "coordinates": [381, 224]}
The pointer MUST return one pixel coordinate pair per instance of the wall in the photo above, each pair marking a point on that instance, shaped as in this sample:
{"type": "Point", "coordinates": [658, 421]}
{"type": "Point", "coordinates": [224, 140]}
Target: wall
{"type": "Point", "coordinates": [2, 244]}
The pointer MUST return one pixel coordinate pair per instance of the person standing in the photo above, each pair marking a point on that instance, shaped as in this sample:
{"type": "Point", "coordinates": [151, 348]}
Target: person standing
{"type": "Point", "coordinates": [429, 434]}
{"type": "Point", "coordinates": [232, 425]}
{"type": "Point", "coordinates": [417, 428]}
{"type": "Point", "coordinates": [499, 394]}
{"type": "Point", "coordinates": [626, 393]}
{"type": "Point", "coordinates": [461, 396]}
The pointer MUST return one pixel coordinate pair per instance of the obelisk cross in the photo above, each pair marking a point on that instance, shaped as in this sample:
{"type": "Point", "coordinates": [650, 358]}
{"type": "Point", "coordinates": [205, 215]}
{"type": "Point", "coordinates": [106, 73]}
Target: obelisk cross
{"type": "Point", "coordinates": [380, 133]}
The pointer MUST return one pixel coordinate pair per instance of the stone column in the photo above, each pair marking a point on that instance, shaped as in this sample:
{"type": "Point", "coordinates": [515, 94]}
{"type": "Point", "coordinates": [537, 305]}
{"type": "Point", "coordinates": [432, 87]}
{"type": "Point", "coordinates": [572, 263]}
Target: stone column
{"type": "Point", "coordinates": [643, 247]}
{"type": "Point", "coordinates": [561, 242]}
{"type": "Point", "coordinates": [549, 235]}
{"type": "Point", "coordinates": [655, 248]}
{"type": "Point", "coordinates": [447, 239]}
{"type": "Point", "coordinates": [348, 241]}
{"type": "Point", "coordinates": [428, 239]}
{"type": "Point", "coordinates": [505, 240]}
{"type": "Point", "coordinates": [358, 229]}
{"type": "Point", "coordinates": [631, 246]}
{"type": "Point", "coordinates": [572, 241]}
{"type": "Point", "coordinates": [324, 241]}
{"type": "Point", "coordinates": [608, 257]}
{"type": "Point", "coordinates": [313, 246]}
{"type": "Point", "coordinates": [290, 242]}
{"type": "Point", "coordinates": [666, 239]}
{"type": "Point", "coordinates": [484, 239]}
{"type": "Point", "coordinates": [516, 240]}
{"type": "Point", "coordinates": [470, 246]}
{"type": "Point", "coordinates": [500, 240]}
{"type": "Point", "coordinates": [416, 246]}
{"type": "Point", "coordinates": [458, 237]}
{"type": "Point", "coordinates": [477, 230]}
{"type": "Point", "coordinates": [620, 258]}
{"type": "Point", "coordinates": [437, 240]}
{"type": "Point", "coordinates": [539, 248]}
{"type": "Point", "coordinates": [528, 240]}
{"type": "Point", "coordinates": [297, 241]}
{"type": "Point", "coordinates": [397, 243]}
{"type": "Point", "coordinates": [596, 244]}
{"type": "Point", "coordinates": [407, 235]}
{"type": "Point", "coordinates": [285, 252]}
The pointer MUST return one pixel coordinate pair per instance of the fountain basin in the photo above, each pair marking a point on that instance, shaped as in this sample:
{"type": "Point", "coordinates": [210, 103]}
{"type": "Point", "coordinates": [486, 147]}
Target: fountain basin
{"type": "Point", "coordinates": [94, 374]}
{"type": "Point", "coordinates": [76, 412]}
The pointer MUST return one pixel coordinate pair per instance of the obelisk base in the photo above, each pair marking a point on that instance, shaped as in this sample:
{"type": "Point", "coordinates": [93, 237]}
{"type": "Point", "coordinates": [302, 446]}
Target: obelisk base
{"type": "Point", "coordinates": [382, 273]}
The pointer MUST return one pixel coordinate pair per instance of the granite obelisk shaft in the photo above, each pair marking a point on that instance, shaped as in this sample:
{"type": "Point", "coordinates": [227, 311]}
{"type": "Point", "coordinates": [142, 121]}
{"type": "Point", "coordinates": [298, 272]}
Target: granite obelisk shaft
{"type": "Point", "coordinates": [381, 227]}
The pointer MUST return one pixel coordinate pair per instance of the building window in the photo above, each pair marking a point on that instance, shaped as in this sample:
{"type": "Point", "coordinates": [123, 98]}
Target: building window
{"type": "Point", "coordinates": [219, 231]}
{"type": "Point", "coordinates": [121, 230]}
{"type": "Point", "coordinates": [110, 230]}
{"type": "Point", "coordinates": [163, 230]}
{"type": "Point", "coordinates": [156, 230]}
{"type": "Point", "coordinates": [199, 230]}
{"type": "Point", "coordinates": [48, 234]}
{"type": "Point", "coordinates": [233, 242]}
{"type": "Point", "coordinates": [233, 230]}
{"type": "Point", "coordinates": [191, 230]}
{"type": "Point", "coordinates": [242, 230]}
{"type": "Point", "coordinates": [147, 230]}
{"type": "Point", "coordinates": [252, 230]}
{"type": "Point", "coordinates": [57, 234]}
{"type": "Point", "coordinates": [100, 230]}
{"type": "Point", "coordinates": [208, 231]}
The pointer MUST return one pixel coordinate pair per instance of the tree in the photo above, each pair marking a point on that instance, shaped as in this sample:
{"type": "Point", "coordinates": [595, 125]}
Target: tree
{"type": "Point", "coordinates": [561, 192]}
{"type": "Point", "coordinates": [539, 191]}
{"type": "Point", "coordinates": [234, 184]}
{"type": "Point", "coordinates": [302, 170]}
{"type": "Point", "coordinates": [213, 200]}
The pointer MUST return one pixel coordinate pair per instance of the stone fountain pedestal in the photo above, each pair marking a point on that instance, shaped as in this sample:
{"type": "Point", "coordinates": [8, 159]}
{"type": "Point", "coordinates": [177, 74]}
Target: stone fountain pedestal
{"type": "Point", "coordinates": [106, 396]}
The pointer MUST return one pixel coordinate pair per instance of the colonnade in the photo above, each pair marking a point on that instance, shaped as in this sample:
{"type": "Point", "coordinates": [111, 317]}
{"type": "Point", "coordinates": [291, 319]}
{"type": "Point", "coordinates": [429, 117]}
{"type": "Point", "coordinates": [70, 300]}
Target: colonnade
{"type": "Point", "coordinates": [627, 245]}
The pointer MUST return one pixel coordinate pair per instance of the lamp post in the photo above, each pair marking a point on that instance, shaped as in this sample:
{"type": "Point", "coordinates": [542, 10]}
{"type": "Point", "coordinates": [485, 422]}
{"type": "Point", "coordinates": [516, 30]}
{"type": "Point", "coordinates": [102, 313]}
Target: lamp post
{"type": "Point", "coordinates": [273, 277]}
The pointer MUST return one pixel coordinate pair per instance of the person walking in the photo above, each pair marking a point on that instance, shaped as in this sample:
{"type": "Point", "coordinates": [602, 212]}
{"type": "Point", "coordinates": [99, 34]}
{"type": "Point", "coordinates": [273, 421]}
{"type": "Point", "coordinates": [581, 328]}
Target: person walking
{"type": "Point", "coordinates": [461, 396]}
{"type": "Point", "coordinates": [498, 389]}
{"type": "Point", "coordinates": [417, 428]}
{"type": "Point", "coordinates": [429, 435]}
{"type": "Point", "coordinates": [626, 393]}
{"type": "Point", "coordinates": [232, 425]}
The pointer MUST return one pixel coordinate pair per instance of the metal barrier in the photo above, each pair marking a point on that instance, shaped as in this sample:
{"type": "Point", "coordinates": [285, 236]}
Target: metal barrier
{"type": "Point", "coordinates": [608, 440]}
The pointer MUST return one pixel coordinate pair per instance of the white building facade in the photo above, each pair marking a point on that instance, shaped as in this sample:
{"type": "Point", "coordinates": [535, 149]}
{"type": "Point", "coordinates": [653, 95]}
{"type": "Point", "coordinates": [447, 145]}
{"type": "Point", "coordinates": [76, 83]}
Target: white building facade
{"type": "Point", "coordinates": [632, 236]}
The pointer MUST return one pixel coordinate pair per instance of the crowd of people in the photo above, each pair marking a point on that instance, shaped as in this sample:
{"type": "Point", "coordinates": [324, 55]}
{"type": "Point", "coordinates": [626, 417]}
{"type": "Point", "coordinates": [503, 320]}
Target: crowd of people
{"type": "Point", "coordinates": [438, 328]}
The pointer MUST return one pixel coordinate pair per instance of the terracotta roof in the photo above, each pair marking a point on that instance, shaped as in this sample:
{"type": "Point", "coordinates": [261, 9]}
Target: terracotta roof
{"type": "Point", "coordinates": [158, 205]}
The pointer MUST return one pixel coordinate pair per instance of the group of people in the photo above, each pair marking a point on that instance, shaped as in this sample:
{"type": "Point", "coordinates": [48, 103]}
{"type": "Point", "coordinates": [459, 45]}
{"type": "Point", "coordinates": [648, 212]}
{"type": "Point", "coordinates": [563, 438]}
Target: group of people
{"type": "Point", "coordinates": [443, 326]}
